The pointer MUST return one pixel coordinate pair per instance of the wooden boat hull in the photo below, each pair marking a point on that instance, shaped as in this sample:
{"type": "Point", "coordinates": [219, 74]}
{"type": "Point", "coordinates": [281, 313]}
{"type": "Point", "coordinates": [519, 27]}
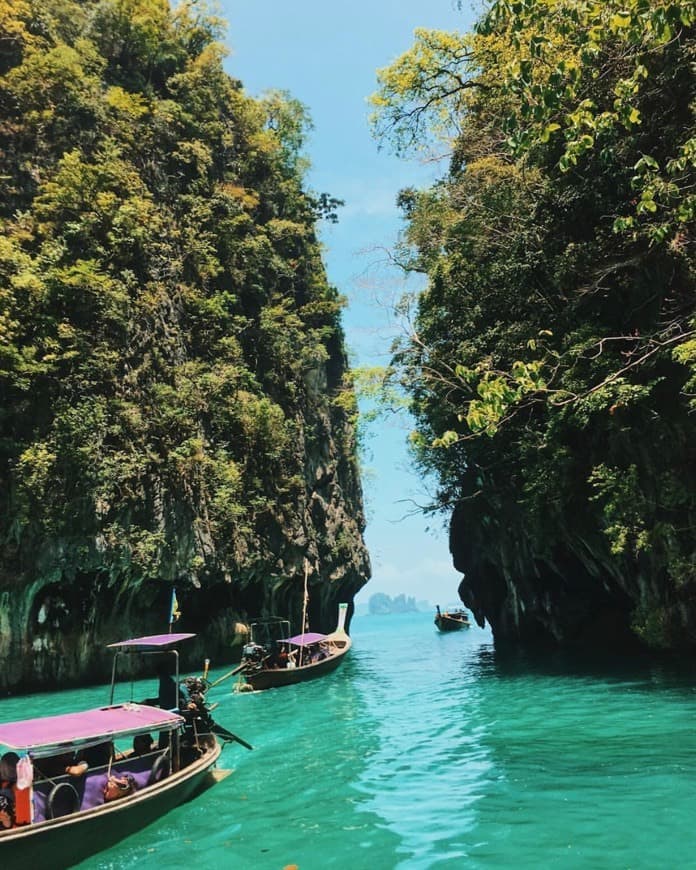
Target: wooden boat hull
{"type": "Point", "coordinates": [63, 842]}
{"type": "Point", "coordinates": [450, 623]}
{"type": "Point", "coordinates": [275, 678]}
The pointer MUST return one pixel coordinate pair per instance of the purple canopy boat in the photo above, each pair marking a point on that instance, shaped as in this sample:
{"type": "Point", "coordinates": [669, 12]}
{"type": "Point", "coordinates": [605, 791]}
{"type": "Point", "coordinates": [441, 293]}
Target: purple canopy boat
{"type": "Point", "coordinates": [284, 661]}
{"type": "Point", "coordinates": [88, 779]}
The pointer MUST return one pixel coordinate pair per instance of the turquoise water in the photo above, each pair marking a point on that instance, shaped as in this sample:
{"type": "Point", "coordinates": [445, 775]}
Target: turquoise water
{"type": "Point", "coordinates": [432, 751]}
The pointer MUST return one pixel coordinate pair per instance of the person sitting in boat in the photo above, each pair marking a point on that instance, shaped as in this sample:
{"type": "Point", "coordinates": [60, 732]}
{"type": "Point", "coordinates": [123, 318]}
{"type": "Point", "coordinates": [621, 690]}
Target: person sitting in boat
{"type": "Point", "coordinates": [8, 778]}
{"type": "Point", "coordinates": [195, 711]}
{"type": "Point", "coordinates": [195, 689]}
{"type": "Point", "coordinates": [142, 744]}
{"type": "Point", "coordinates": [7, 817]}
{"type": "Point", "coordinates": [169, 696]}
{"type": "Point", "coordinates": [97, 756]}
{"type": "Point", "coordinates": [8, 769]}
{"type": "Point", "coordinates": [278, 657]}
{"type": "Point", "coordinates": [118, 787]}
{"type": "Point", "coordinates": [316, 652]}
{"type": "Point", "coordinates": [70, 763]}
{"type": "Point", "coordinates": [17, 794]}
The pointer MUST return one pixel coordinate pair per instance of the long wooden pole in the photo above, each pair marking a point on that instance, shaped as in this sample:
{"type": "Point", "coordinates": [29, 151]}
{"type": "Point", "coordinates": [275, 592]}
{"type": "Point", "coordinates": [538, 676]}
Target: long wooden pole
{"type": "Point", "coordinates": [227, 675]}
{"type": "Point", "coordinates": [304, 605]}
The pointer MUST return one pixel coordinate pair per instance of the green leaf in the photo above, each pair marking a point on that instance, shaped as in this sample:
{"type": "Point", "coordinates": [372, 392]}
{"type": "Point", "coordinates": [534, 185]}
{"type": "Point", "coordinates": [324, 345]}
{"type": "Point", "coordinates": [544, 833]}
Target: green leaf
{"type": "Point", "coordinates": [548, 130]}
{"type": "Point", "coordinates": [620, 21]}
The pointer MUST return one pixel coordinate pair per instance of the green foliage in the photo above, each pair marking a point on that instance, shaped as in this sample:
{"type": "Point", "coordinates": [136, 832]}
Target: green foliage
{"type": "Point", "coordinates": [558, 320]}
{"type": "Point", "coordinates": [624, 507]}
{"type": "Point", "coordinates": [163, 304]}
{"type": "Point", "coordinates": [651, 625]}
{"type": "Point", "coordinates": [423, 92]}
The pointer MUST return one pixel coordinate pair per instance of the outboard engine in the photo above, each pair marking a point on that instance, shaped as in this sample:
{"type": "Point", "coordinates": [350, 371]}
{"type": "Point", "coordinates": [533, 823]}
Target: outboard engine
{"type": "Point", "coordinates": [253, 653]}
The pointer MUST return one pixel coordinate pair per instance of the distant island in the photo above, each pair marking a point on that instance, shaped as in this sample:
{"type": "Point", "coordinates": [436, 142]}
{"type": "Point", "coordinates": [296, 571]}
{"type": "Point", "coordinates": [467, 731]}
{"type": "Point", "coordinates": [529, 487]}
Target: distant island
{"type": "Point", "coordinates": [381, 604]}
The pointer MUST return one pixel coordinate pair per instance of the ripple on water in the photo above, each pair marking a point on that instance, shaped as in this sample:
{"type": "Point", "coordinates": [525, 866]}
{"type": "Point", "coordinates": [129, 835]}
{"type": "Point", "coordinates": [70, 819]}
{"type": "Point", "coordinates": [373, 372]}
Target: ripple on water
{"type": "Point", "coordinates": [434, 751]}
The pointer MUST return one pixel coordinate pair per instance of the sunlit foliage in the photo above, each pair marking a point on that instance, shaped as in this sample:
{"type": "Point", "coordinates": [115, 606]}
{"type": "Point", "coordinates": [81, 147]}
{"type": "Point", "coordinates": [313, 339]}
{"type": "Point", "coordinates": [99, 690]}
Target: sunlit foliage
{"type": "Point", "coordinates": [164, 313]}
{"type": "Point", "coordinates": [552, 364]}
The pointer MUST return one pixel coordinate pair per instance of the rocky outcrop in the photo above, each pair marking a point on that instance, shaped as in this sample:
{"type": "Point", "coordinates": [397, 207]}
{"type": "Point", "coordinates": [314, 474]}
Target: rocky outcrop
{"type": "Point", "coordinates": [62, 601]}
{"type": "Point", "coordinates": [575, 593]}
{"type": "Point", "coordinates": [381, 604]}
{"type": "Point", "coordinates": [176, 409]}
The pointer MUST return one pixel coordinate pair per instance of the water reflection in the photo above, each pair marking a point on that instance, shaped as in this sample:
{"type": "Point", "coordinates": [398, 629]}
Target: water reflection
{"type": "Point", "coordinates": [433, 762]}
{"type": "Point", "coordinates": [582, 748]}
{"type": "Point", "coordinates": [641, 670]}
{"type": "Point", "coordinates": [498, 758]}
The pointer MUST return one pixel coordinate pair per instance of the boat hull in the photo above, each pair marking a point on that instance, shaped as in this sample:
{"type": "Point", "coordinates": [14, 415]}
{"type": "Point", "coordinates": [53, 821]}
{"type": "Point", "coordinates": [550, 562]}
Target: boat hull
{"type": "Point", "coordinates": [450, 623]}
{"type": "Point", "coordinates": [275, 678]}
{"type": "Point", "coordinates": [64, 842]}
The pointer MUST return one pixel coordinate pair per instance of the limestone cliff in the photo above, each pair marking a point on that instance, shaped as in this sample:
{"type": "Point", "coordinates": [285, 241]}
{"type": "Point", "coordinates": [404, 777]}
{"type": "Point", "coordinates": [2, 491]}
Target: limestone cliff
{"type": "Point", "coordinates": [63, 598]}
{"type": "Point", "coordinates": [569, 591]}
{"type": "Point", "coordinates": [551, 359]}
{"type": "Point", "coordinates": [175, 404]}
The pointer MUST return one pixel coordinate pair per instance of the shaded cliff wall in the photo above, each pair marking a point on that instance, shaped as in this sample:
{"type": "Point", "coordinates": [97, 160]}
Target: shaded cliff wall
{"type": "Point", "coordinates": [60, 605]}
{"type": "Point", "coordinates": [175, 404]}
{"type": "Point", "coordinates": [545, 570]}
{"type": "Point", "coordinates": [552, 361]}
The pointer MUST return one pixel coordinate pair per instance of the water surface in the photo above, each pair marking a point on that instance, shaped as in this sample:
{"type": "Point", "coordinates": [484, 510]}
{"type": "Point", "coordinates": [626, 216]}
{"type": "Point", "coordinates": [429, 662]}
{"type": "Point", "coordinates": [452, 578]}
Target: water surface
{"type": "Point", "coordinates": [433, 751]}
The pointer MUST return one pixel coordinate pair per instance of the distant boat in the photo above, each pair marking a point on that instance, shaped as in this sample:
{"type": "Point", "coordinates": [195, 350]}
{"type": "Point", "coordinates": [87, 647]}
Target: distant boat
{"type": "Point", "coordinates": [451, 620]}
{"type": "Point", "coordinates": [60, 819]}
{"type": "Point", "coordinates": [270, 662]}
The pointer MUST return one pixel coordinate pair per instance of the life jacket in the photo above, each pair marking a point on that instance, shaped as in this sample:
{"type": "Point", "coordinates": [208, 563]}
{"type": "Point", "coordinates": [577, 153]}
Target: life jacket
{"type": "Point", "coordinates": [22, 805]}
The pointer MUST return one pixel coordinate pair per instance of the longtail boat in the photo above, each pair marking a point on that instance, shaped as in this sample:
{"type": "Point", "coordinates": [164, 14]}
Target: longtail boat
{"type": "Point", "coordinates": [66, 808]}
{"type": "Point", "coordinates": [284, 661]}
{"type": "Point", "coordinates": [451, 620]}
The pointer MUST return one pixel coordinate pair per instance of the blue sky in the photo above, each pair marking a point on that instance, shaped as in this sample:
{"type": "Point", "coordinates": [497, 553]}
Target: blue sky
{"type": "Point", "coordinates": [326, 55]}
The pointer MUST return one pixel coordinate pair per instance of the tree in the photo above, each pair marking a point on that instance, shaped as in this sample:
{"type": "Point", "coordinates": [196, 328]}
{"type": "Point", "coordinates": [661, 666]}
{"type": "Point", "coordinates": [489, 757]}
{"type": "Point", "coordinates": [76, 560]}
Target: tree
{"type": "Point", "coordinates": [552, 355]}
{"type": "Point", "coordinates": [164, 311]}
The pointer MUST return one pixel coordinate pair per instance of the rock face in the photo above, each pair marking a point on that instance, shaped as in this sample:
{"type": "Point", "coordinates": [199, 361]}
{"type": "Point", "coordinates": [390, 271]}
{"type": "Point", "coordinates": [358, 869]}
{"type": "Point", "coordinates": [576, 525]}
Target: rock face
{"type": "Point", "coordinates": [61, 604]}
{"type": "Point", "coordinates": [574, 594]}
{"type": "Point", "coordinates": [176, 409]}
{"type": "Point", "coordinates": [551, 361]}
{"type": "Point", "coordinates": [381, 604]}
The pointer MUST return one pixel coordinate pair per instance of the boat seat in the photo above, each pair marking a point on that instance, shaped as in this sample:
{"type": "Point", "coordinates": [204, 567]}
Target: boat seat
{"type": "Point", "coordinates": [139, 768]}
{"type": "Point", "coordinates": [91, 787]}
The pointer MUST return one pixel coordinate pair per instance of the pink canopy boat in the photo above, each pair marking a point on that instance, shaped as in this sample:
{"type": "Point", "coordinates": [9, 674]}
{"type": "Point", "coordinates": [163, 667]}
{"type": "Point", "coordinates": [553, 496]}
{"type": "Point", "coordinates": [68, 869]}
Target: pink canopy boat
{"type": "Point", "coordinates": [270, 665]}
{"type": "Point", "coordinates": [67, 761]}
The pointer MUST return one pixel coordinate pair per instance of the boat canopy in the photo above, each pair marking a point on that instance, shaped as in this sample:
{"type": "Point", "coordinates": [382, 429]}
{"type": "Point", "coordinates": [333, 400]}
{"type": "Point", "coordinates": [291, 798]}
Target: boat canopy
{"type": "Point", "coordinates": [50, 735]}
{"type": "Point", "coordinates": [305, 639]}
{"type": "Point", "coordinates": [153, 641]}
